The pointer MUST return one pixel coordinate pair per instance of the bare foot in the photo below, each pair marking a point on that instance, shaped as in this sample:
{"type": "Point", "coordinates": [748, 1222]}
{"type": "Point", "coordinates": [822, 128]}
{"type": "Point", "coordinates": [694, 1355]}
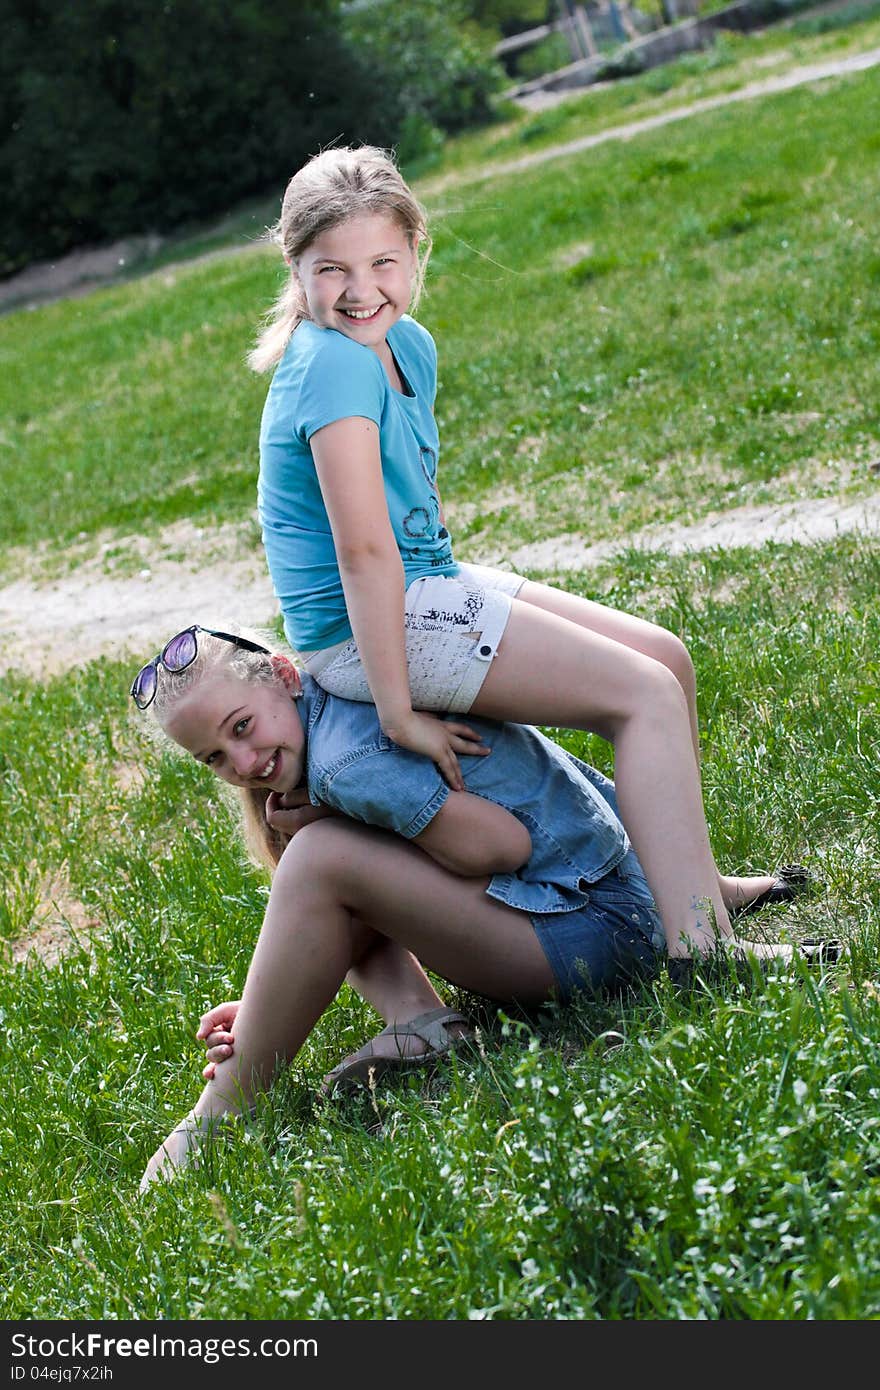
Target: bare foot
{"type": "Point", "coordinates": [175, 1152]}
{"type": "Point", "coordinates": [180, 1149]}
{"type": "Point", "coordinates": [746, 895]}
{"type": "Point", "coordinates": [739, 892]}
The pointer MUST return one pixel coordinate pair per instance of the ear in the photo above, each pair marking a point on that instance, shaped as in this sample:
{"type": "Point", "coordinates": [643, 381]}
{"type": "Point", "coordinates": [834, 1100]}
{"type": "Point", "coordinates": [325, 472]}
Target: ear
{"type": "Point", "coordinates": [287, 673]}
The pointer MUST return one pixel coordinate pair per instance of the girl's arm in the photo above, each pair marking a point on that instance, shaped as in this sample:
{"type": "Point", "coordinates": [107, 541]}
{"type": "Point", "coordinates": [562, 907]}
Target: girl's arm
{"type": "Point", "coordinates": [469, 835]}
{"type": "Point", "coordinates": [349, 467]}
{"type": "Point", "coordinates": [296, 811]}
{"type": "Point", "coordinates": [474, 837]}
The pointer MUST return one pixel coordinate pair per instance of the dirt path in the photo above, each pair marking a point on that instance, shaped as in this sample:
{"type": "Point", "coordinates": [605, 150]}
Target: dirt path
{"type": "Point", "coordinates": [90, 613]}
{"type": "Point", "coordinates": [808, 522]}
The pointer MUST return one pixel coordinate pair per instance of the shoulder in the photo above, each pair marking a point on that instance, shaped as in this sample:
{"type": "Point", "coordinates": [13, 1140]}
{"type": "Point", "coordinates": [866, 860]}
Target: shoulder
{"type": "Point", "coordinates": [386, 786]}
{"type": "Point", "coordinates": [414, 349]}
{"type": "Point", "coordinates": [324, 376]}
{"type": "Point", "coordinates": [311, 701]}
{"type": "Point", "coordinates": [356, 768]}
{"type": "Point", "coordinates": [339, 731]}
{"type": "Point", "coordinates": [322, 349]}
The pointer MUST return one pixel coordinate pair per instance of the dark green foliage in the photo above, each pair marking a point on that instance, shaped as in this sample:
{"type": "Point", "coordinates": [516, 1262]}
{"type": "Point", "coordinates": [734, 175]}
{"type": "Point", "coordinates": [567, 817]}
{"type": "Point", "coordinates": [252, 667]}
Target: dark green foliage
{"type": "Point", "coordinates": [510, 16]}
{"type": "Point", "coordinates": [132, 118]}
{"type": "Point", "coordinates": [437, 65]}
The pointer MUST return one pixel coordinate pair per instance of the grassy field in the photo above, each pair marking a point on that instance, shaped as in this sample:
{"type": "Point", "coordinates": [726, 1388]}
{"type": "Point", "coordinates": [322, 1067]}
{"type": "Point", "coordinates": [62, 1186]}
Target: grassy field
{"type": "Point", "coordinates": [684, 322]}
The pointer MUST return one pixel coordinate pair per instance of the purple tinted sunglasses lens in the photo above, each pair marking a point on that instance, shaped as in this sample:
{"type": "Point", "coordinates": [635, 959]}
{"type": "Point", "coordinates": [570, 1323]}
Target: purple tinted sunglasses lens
{"type": "Point", "coordinates": [144, 687]}
{"type": "Point", "coordinates": [179, 653]}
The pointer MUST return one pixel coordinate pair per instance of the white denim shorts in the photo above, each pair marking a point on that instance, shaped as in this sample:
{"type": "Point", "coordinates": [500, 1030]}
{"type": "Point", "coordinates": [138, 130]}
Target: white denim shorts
{"type": "Point", "coordinates": [453, 626]}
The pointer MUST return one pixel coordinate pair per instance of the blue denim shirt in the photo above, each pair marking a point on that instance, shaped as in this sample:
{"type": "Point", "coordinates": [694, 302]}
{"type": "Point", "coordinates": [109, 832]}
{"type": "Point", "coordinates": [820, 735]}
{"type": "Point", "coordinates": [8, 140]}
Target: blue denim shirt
{"type": "Point", "coordinates": [568, 808]}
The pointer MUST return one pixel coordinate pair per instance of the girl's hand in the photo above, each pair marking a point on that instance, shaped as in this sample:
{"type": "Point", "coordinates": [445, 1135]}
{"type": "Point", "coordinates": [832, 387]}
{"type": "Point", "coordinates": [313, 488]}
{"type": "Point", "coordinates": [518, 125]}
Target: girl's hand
{"type": "Point", "coordinates": [290, 812]}
{"type": "Point", "coordinates": [440, 740]}
{"type": "Point", "coordinates": [215, 1031]}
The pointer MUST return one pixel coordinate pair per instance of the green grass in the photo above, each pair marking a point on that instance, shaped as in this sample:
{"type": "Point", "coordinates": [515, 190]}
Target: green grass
{"type": "Point", "coordinates": [683, 322]}
{"type": "Point", "coordinates": [695, 311]}
{"type": "Point", "coordinates": [660, 1155]}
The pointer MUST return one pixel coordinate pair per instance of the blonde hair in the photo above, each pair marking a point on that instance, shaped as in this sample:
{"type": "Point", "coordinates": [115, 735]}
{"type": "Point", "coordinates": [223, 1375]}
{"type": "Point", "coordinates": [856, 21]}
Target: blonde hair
{"type": "Point", "coordinates": [332, 187]}
{"type": "Point", "coordinates": [264, 844]}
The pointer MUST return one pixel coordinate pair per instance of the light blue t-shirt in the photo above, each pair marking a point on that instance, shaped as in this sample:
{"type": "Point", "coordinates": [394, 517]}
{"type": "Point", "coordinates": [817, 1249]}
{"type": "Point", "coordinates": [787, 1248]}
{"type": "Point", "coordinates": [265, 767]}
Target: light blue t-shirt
{"type": "Point", "coordinates": [325, 376]}
{"type": "Point", "coordinates": [568, 808]}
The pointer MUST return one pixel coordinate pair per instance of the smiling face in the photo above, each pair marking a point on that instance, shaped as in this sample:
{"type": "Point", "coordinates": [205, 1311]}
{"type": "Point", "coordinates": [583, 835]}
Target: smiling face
{"type": "Point", "coordinates": [250, 734]}
{"type": "Point", "coordinates": [358, 277]}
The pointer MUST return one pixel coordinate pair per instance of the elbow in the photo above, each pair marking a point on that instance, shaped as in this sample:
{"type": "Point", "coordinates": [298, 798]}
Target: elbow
{"type": "Point", "coordinates": [362, 554]}
{"type": "Point", "coordinates": [464, 864]}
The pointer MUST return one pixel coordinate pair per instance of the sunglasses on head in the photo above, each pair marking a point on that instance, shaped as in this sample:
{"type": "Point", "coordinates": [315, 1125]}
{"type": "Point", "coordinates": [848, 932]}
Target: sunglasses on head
{"type": "Point", "coordinates": [176, 655]}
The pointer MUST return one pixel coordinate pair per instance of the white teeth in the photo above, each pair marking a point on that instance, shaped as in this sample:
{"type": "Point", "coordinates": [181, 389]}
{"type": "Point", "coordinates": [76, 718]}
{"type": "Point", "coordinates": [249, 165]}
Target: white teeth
{"type": "Point", "coordinates": [361, 313]}
{"type": "Point", "coordinates": [268, 770]}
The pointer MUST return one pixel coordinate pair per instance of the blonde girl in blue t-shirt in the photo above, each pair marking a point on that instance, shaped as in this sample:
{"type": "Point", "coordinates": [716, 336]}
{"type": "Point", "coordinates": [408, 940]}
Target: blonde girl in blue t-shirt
{"type": "Point", "coordinates": [362, 562]}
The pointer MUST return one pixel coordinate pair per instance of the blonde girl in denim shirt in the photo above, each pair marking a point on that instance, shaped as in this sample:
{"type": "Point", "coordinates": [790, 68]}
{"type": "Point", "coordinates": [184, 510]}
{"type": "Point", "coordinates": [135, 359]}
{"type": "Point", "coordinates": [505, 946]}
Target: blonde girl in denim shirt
{"type": "Point", "coordinates": [521, 886]}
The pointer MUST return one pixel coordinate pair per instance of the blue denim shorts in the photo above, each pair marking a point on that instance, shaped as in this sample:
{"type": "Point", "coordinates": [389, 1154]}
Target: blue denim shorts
{"type": "Point", "coordinates": [616, 936]}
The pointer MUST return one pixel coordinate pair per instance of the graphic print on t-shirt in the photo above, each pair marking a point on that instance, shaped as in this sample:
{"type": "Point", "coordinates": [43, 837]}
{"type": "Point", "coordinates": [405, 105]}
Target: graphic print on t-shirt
{"type": "Point", "coordinates": [426, 521]}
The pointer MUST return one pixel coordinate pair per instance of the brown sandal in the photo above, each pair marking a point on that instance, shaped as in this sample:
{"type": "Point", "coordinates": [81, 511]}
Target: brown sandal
{"type": "Point", "coordinates": [431, 1028]}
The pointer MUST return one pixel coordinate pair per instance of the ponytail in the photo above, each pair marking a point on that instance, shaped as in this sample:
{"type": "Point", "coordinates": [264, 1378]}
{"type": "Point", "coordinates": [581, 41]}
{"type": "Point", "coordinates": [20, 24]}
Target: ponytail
{"type": "Point", "coordinates": [287, 311]}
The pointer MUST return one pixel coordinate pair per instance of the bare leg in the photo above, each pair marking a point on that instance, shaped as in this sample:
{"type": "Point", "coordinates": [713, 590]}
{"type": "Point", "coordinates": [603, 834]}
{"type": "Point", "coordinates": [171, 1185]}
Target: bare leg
{"type": "Point", "coordinates": [333, 882]}
{"type": "Point", "coordinates": [549, 670]}
{"type": "Point", "coordinates": [640, 636]}
{"type": "Point", "coordinates": [391, 979]}
{"type": "Point", "coordinates": [661, 645]}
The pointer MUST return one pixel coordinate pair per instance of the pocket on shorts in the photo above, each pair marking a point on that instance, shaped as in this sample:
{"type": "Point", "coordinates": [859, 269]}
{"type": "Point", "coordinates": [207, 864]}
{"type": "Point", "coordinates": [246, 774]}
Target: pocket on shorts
{"type": "Point", "coordinates": [623, 901]}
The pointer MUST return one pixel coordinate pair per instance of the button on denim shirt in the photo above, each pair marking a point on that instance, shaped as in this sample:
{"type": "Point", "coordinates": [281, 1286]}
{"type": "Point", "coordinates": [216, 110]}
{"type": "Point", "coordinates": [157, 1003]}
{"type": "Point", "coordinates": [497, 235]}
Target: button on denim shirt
{"type": "Point", "coordinates": [568, 808]}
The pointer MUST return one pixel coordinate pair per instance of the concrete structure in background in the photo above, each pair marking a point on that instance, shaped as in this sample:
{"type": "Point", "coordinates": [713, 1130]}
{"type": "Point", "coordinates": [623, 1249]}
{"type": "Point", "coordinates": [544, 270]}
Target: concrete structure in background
{"type": "Point", "coordinates": [647, 50]}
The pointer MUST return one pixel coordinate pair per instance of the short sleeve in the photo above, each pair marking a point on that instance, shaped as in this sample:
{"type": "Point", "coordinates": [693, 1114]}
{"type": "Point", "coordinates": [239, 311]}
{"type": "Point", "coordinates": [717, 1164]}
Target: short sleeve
{"type": "Point", "coordinates": [342, 379]}
{"type": "Point", "coordinates": [392, 788]}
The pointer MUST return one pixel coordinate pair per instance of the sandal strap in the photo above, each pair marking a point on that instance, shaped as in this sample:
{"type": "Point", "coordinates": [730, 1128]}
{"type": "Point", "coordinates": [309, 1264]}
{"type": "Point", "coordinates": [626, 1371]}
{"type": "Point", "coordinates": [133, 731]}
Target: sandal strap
{"type": "Point", "coordinates": [430, 1026]}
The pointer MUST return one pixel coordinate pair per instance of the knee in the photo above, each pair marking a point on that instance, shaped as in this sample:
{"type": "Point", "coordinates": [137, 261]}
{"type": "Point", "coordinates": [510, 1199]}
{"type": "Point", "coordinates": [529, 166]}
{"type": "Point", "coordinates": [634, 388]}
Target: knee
{"type": "Point", "coordinates": [313, 853]}
{"type": "Point", "coordinates": [659, 694]}
{"type": "Point", "coordinates": [672, 653]}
